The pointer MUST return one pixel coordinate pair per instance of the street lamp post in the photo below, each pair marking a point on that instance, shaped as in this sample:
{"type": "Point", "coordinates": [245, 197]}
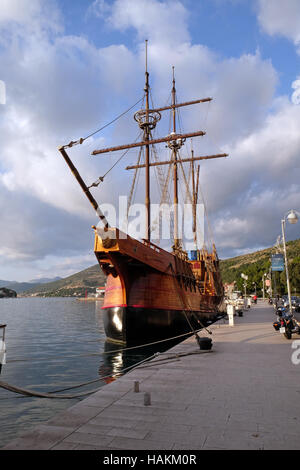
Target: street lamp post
{"type": "Point", "coordinates": [263, 283]}
{"type": "Point", "coordinates": [269, 277]}
{"type": "Point", "coordinates": [292, 217]}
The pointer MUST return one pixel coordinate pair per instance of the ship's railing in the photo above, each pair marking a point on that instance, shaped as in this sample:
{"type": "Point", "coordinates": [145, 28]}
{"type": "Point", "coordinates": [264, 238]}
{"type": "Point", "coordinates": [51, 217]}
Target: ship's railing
{"type": "Point", "coordinates": [152, 245]}
{"type": "Point", "coordinates": [180, 253]}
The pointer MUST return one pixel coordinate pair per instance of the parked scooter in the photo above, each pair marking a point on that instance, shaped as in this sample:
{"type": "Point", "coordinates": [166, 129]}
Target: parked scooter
{"type": "Point", "coordinates": [279, 312]}
{"type": "Point", "coordinates": [286, 323]}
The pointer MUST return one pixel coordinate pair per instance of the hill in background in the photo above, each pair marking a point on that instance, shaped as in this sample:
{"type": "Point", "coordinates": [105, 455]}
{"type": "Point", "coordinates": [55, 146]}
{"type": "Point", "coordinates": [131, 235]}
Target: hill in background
{"type": "Point", "coordinates": [25, 286]}
{"type": "Point", "coordinates": [76, 284]}
{"type": "Point", "coordinates": [254, 265]}
{"type": "Point", "coordinates": [18, 286]}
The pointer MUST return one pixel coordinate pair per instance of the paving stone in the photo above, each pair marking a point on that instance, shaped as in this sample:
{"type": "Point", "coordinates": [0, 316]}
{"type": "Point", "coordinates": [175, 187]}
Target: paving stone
{"type": "Point", "coordinates": [194, 441]}
{"type": "Point", "coordinates": [155, 402]}
{"type": "Point", "coordinates": [136, 444]}
{"type": "Point", "coordinates": [90, 439]}
{"type": "Point", "coordinates": [95, 429]}
{"type": "Point", "coordinates": [236, 439]}
{"type": "Point", "coordinates": [135, 415]}
{"type": "Point", "coordinates": [64, 446]}
{"type": "Point", "coordinates": [242, 395]}
{"type": "Point", "coordinates": [73, 418]}
{"type": "Point", "coordinates": [89, 447]}
{"type": "Point", "coordinates": [128, 432]}
{"type": "Point", "coordinates": [42, 437]}
{"type": "Point", "coordinates": [124, 385]}
{"type": "Point", "coordinates": [114, 422]}
{"type": "Point", "coordinates": [165, 426]}
{"type": "Point", "coordinates": [290, 442]}
{"type": "Point", "coordinates": [81, 409]}
{"type": "Point", "coordinates": [100, 402]}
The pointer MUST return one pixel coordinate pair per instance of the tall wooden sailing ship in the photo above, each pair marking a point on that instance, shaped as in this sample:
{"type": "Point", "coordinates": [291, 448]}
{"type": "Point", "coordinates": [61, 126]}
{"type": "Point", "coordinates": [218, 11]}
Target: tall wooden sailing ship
{"type": "Point", "coordinates": [152, 294]}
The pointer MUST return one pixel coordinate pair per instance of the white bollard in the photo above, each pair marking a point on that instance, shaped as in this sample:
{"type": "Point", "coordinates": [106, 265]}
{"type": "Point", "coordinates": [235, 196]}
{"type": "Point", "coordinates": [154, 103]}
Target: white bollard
{"type": "Point", "coordinates": [2, 352]}
{"type": "Point", "coordinates": [2, 348]}
{"type": "Point", "coordinates": [230, 313]}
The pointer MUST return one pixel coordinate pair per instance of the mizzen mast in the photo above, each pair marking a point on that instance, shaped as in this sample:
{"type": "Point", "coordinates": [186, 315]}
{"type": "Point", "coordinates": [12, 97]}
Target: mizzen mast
{"type": "Point", "coordinates": [195, 187]}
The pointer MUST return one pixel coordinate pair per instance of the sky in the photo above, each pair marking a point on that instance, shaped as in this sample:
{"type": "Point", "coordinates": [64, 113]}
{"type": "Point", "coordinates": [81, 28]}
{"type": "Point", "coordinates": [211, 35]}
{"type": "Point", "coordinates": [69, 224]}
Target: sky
{"type": "Point", "coordinates": [69, 67]}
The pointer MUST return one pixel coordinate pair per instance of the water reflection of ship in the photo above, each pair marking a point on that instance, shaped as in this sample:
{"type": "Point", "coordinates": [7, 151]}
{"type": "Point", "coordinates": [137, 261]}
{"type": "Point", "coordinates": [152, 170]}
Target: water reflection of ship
{"type": "Point", "coordinates": [116, 359]}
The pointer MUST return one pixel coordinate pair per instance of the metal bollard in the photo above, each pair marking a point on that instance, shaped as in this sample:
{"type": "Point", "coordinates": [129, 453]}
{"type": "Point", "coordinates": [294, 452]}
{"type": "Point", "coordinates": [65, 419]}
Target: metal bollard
{"type": "Point", "coordinates": [147, 399]}
{"type": "Point", "coordinates": [136, 386]}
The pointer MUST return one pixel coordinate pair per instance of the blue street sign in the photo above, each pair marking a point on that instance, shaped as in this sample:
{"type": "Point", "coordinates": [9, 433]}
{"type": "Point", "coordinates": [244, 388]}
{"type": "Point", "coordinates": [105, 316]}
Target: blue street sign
{"type": "Point", "coordinates": [277, 262]}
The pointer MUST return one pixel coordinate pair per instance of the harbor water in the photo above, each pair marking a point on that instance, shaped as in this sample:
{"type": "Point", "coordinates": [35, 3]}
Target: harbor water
{"type": "Point", "coordinates": [52, 344]}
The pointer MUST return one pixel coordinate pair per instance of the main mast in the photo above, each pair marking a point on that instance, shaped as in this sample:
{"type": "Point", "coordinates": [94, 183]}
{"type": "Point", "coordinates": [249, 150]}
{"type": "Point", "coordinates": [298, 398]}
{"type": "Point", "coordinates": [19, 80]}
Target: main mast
{"type": "Point", "coordinates": [147, 154]}
{"type": "Point", "coordinates": [147, 119]}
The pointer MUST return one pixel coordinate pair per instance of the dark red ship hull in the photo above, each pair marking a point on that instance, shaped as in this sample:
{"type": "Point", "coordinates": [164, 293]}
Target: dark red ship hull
{"type": "Point", "coordinates": [133, 326]}
{"type": "Point", "coordinates": [152, 294]}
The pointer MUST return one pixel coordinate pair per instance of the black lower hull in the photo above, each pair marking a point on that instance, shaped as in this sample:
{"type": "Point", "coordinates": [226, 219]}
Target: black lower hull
{"type": "Point", "coordinates": [136, 326]}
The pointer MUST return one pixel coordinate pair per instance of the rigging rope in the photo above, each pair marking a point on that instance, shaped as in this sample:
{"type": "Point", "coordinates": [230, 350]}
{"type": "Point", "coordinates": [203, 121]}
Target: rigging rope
{"type": "Point", "coordinates": [80, 141]}
{"type": "Point", "coordinates": [189, 308]}
{"type": "Point", "coordinates": [165, 197]}
{"type": "Point", "coordinates": [101, 178]}
{"type": "Point", "coordinates": [211, 235]}
{"type": "Point", "coordinates": [133, 181]}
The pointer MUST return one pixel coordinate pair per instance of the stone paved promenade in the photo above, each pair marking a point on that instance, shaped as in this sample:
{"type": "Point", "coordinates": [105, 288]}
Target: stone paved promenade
{"type": "Point", "coordinates": [244, 394]}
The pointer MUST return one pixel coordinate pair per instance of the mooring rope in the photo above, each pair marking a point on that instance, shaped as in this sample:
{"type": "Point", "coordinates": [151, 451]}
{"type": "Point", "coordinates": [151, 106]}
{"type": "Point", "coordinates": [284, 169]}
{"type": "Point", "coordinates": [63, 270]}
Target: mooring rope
{"type": "Point", "coordinates": [30, 393]}
{"type": "Point", "coordinates": [113, 351]}
{"type": "Point", "coordinates": [176, 357]}
{"type": "Point", "coordinates": [34, 394]}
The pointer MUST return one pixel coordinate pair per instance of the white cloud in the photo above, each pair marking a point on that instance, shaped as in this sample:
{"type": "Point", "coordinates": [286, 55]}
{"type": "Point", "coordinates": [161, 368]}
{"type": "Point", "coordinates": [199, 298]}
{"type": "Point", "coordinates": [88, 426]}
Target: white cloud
{"type": "Point", "coordinates": [31, 16]}
{"type": "Point", "coordinates": [20, 11]}
{"type": "Point", "coordinates": [65, 266]}
{"type": "Point", "coordinates": [158, 21]}
{"type": "Point", "coordinates": [280, 18]}
{"type": "Point", "coordinates": [52, 99]}
{"type": "Point", "coordinates": [60, 88]}
{"type": "Point", "coordinates": [260, 185]}
{"type": "Point", "coordinates": [296, 95]}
